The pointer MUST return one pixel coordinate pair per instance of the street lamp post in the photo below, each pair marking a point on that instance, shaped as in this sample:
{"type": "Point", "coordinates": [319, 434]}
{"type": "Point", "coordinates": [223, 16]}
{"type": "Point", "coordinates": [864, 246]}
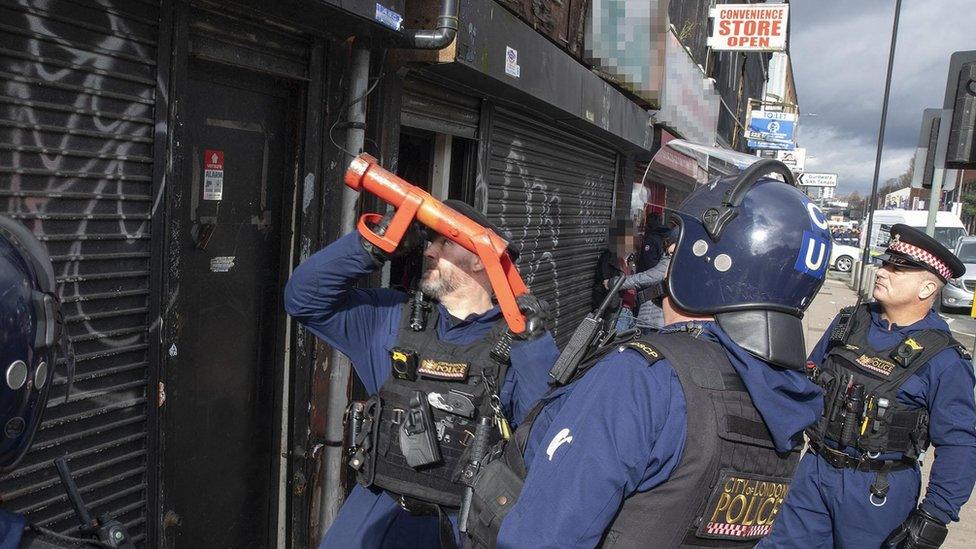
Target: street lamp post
{"type": "Point", "coordinates": [877, 161]}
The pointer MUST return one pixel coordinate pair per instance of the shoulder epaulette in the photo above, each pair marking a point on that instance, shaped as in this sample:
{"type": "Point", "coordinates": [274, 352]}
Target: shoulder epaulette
{"type": "Point", "coordinates": [962, 350]}
{"type": "Point", "coordinates": [651, 354]}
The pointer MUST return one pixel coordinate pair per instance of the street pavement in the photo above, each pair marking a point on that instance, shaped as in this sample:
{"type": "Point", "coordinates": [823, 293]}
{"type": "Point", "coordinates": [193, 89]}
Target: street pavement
{"type": "Point", "coordinates": [832, 297]}
{"type": "Point", "coordinates": [962, 325]}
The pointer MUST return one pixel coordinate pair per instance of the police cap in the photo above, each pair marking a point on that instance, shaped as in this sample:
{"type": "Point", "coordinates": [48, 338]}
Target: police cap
{"type": "Point", "coordinates": [911, 247]}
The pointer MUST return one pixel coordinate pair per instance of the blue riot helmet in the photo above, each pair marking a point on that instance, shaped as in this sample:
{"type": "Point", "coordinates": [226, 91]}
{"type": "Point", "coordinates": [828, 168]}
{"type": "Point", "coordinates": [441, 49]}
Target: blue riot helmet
{"type": "Point", "coordinates": [752, 250]}
{"type": "Point", "coordinates": [29, 331]}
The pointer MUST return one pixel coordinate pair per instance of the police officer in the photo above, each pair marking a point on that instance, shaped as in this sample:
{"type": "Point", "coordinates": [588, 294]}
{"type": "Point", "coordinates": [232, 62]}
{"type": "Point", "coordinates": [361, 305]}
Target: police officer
{"type": "Point", "coordinates": [29, 330]}
{"type": "Point", "coordinates": [894, 381]}
{"type": "Point", "coordinates": [688, 436]}
{"type": "Point", "coordinates": [450, 365]}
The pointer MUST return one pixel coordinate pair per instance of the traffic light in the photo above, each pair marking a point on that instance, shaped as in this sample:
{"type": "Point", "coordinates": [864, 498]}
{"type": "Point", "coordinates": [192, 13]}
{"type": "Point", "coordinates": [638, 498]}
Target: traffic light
{"type": "Point", "coordinates": [961, 150]}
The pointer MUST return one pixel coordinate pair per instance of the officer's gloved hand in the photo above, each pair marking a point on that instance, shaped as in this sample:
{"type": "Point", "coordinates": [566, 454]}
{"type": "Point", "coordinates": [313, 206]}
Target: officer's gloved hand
{"type": "Point", "coordinates": [412, 240]}
{"type": "Point", "coordinates": [536, 313]}
{"type": "Point", "coordinates": [919, 531]}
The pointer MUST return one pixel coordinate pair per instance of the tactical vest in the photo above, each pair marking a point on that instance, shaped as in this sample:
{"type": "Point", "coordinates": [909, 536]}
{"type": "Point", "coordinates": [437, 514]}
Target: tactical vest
{"type": "Point", "coordinates": [436, 393]}
{"type": "Point", "coordinates": [727, 489]}
{"type": "Point", "coordinates": [860, 383]}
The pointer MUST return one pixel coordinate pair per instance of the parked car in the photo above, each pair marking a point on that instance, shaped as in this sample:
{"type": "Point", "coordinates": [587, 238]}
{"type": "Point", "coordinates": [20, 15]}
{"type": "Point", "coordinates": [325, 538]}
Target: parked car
{"type": "Point", "coordinates": [842, 256]}
{"type": "Point", "coordinates": [958, 293]}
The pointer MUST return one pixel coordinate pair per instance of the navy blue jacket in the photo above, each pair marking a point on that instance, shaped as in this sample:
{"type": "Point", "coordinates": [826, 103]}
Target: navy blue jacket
{"type": "Point", "coordinates": [621, 429]}
{"type": "Point", "coordinates": [363, 325]}
{"type": "Point", "coordinates": [945, 387]}
{"type": "Point", "coordinates": [11, 529]}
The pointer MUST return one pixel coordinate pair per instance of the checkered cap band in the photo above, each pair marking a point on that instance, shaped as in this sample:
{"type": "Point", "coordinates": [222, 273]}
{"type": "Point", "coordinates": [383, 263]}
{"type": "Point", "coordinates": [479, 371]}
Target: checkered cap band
{"type": "Point", "coordinates": [921, 255]}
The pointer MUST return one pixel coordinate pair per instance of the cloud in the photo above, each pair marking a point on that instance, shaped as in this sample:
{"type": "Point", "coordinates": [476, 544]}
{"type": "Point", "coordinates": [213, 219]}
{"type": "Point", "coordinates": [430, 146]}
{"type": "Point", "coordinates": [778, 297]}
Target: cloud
{"type": "Point", "coordinates": [840, 55]}
{"type": "Point", "coordinates": [851, 158]}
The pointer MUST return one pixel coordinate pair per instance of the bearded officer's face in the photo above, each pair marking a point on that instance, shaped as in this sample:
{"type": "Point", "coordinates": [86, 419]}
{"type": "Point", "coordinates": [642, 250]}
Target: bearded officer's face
{"type": "Point", "coordinates": [448, 268]}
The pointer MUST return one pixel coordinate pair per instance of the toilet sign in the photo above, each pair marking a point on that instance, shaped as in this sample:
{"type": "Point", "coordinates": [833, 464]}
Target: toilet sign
{"type": "Point", "coordinates": [213, 174]}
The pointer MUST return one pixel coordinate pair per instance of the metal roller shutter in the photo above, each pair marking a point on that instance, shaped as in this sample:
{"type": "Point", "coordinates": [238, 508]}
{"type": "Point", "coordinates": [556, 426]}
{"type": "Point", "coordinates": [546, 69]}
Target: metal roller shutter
{"type": "Point", "coordinates": [430, 106]}
{"type": "Point", "coordinates": [217, 34]}
{"type": "Point", "coordinates": [77, 106]}
{"type": "Point", "coordinates": [554, 190]}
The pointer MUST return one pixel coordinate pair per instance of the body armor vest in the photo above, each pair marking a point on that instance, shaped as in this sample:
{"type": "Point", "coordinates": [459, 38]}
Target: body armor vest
{"type": "Point", "coordinates": [861, 407]}
{"type": "Point", "coordinates": [428, 410]}
{"type": "Point", "coordinates": [727, 489]}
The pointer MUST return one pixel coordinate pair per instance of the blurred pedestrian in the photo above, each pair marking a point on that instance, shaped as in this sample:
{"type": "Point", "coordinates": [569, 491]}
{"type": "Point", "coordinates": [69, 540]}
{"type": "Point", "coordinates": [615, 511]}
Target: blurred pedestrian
{"type": "Point", "coordinates": [617, 260]}
{"type": "Point", "coordinates": [652, 246]}
{"type": "Point", "coordinates": [649, 283]}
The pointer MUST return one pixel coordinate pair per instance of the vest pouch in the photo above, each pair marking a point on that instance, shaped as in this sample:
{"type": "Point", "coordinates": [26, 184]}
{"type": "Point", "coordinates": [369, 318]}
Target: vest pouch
{"type": "Point", "coordinates": [496, 489]}
{"type": "Point", "coordinates": [829, 384]}
{"type": "Point", "coordinates": [418, 435]}
{"type": "Point", "coordinates": [920, 437]}
{"type": "Point", "coordinates": [875, 437]}
{"type": "Point", "coordinates": [367, 452]}
{"type": "Point", "coordinates": [909, 432]}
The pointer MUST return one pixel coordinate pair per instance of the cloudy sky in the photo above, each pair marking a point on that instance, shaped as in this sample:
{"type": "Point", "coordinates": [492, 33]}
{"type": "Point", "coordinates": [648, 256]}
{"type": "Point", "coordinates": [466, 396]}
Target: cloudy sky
{"type": "Point", "coordinates": [839, 50]}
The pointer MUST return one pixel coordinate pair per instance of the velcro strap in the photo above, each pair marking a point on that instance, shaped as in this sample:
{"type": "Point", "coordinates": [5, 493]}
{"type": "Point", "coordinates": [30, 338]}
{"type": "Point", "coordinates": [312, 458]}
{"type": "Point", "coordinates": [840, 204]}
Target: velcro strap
{"type": "Point", "coordinates": [716, 380]}
{"type": "Point", "coordinates": [747, 427]}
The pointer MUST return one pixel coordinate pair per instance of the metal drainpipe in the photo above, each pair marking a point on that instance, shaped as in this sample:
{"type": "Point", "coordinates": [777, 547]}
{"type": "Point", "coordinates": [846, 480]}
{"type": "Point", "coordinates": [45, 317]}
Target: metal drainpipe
{"type": "Point", "coordinates": [333, 459]}
{"type": "Point", "coordinates": [440, 37]}
{"type": "Point", "coordinates": [340, 367]}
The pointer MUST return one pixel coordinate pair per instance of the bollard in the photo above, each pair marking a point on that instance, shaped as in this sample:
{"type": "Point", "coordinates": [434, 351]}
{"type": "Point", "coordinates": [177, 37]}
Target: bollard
{"type": "Point", "coordinates": [870, 273]}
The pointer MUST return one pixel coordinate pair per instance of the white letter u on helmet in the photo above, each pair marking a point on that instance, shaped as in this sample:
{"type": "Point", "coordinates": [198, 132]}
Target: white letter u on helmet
{"type": "Point", "coordinates": [815, 265]}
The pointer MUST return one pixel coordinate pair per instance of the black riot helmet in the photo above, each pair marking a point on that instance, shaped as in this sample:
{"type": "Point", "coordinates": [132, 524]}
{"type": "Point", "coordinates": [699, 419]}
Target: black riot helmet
{"type": "Point", "coordinates": [30, 328]}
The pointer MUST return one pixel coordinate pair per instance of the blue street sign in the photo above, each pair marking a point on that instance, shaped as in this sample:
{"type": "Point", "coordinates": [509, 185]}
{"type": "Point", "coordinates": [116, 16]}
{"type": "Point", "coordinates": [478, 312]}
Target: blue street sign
{"type": "Point", "coordinates": [772, 126]}
{"type": "Point", "coordinates": [754, 144]}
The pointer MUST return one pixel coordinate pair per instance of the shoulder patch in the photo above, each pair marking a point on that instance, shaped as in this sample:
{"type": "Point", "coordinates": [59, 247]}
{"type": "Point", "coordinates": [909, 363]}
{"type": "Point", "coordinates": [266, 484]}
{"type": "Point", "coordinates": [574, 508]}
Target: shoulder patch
{"type": "Point", "coordinates": [650, 353]}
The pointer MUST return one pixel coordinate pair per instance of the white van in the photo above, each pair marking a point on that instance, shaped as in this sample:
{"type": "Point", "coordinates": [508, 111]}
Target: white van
{"type": "Point", "coordinates": [948, 227]}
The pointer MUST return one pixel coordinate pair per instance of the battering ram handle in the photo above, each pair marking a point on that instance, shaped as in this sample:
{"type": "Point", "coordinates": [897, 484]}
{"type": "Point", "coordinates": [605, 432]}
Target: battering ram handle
{"type": "Point", "coordinates": [412, 202]}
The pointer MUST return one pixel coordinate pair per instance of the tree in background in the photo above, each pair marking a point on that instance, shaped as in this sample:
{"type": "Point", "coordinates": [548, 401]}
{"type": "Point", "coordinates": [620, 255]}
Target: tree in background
{"type": "Point", "coordinates": [855, 205]}
{"type": "Point", "coordinates": [968, 199]}
{"type": "Point", "coordinates": [905, 179]}
{"type": "Point", "coordinates": [896, 183]}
